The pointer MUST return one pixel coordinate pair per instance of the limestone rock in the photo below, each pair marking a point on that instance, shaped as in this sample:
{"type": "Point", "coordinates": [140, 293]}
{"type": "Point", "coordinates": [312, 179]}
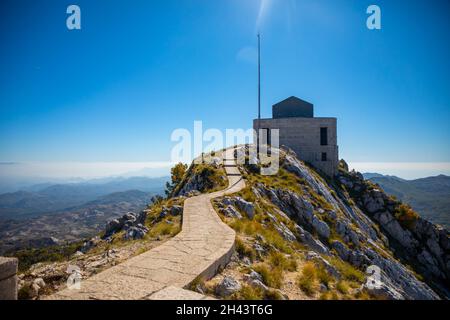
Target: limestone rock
{"type": "Point", "coordinates": [308, 239]}
{"type": "Point", "coordinates": [231, 212]}
{"type": "Point", "coordinates": [247, 207]}
{"type": "Point", "coordinates": [321, 227]}
{"type": "Point", "coordinates": [135, 232]}
{"type": "Point", "coordinates": [227, 286]}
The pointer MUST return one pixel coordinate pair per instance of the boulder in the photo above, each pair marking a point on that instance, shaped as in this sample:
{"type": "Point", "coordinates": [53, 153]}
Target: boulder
{"type": "Point", "coordinates": [308, 239]}
{"type": "Point", "coordinates": [88, 245]}
{"type": "Point", "coordinates": [247, 207]}
{"type": "Point", "coordinates": [258, 284]}
{"type": "Point", "coordinates": [113, 226]}
{"type": "Point", "coordinates": [176, 210]}
{"type": "Point", "coordinates": [231, 212]}
{"type": "Point", "coordinates": [227, 286]}
{"type": "Point", "coordinates": [135, 232]}
{"type": "Point", "coordinates": [341, 249]}
{"type": "Point", "coordinates": [285, 232]}
{"type": "Point", "coordinates": [321, 227]}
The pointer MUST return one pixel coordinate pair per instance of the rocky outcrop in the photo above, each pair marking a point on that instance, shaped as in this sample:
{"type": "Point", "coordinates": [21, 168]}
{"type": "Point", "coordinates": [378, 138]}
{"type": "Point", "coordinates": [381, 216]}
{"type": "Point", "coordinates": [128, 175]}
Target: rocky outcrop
{"type": "Point", "coordinates": [202, 178]}
{"type": "Point", "coordinates": [420, 243]}
{"type": "Point", "coordinates": [125, 222]}
{"type": "Point", "coordinates": [346, 218]}
{"type": "Point", "coordinates": [233, 206]}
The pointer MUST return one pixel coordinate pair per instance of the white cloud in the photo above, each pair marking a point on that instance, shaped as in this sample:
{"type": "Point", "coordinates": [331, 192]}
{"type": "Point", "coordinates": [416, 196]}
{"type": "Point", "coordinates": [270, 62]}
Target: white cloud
{"type": "Point", "coordinates": [83, 169]}
{"type": "Point", "coordinates": [248, 54]}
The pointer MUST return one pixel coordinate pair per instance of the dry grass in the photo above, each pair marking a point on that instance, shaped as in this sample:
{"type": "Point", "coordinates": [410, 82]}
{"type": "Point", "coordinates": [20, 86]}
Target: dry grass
{"type": "Point", "coordinates": [343, 287]}
{"type": "Point", "coordinates": [272, 276]}
{"type": "Point", "coordinates": [244, 250]}
{"type": "Point", "coordinates": [307, 281]}
{"type": "Point", "coordinates": [347, 270]}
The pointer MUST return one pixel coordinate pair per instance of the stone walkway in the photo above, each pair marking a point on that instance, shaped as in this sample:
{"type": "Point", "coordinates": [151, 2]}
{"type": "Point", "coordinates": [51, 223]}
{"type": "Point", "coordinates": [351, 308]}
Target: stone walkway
{"type": "Point", "coordinates": [204, 245]}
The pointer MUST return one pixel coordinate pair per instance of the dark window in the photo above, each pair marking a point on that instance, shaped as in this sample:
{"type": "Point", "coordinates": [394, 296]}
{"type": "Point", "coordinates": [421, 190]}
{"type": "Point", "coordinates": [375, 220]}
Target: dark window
{"type": "Point", "coordinates": [268, 136]}
{"type": "Point", "coordinates": [323, 136]}
{"type": "Point", "coordinates": [324, 156]}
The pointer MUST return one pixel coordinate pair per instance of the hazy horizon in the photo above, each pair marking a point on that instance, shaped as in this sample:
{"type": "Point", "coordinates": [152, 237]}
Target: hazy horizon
{"type": "Point", "coordinates": [72, 171]}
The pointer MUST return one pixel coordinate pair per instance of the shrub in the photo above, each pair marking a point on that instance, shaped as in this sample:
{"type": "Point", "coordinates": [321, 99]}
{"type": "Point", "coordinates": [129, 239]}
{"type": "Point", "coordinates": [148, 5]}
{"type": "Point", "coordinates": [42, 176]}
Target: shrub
{"type": "Point", "coordinates": [406, 216]}
{"type": "Point", "coordinates": [28, 257]}
{"type": "Point", "coordinates": [177, 174]}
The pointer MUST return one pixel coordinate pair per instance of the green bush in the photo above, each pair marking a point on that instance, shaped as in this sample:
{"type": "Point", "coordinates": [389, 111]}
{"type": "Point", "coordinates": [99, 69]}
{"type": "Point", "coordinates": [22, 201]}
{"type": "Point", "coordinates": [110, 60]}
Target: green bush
{"type": "Point", "coordinates": [406, 216]}
{"type": "Point", "coordinates": [28, 257]}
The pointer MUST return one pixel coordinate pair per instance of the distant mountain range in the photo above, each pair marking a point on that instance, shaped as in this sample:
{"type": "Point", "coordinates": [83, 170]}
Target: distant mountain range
{"type": "Point", "coordinates": [430, 197]}
{"type": "Point", "coordinates": [46, 198]}
{"type": "Point", "coordinates": [46, 214]}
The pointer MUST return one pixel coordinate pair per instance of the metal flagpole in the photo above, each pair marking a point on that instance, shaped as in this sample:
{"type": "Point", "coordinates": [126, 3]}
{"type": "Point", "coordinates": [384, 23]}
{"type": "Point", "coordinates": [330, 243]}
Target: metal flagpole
{"type": "Point", "coordinates": [259, 95]}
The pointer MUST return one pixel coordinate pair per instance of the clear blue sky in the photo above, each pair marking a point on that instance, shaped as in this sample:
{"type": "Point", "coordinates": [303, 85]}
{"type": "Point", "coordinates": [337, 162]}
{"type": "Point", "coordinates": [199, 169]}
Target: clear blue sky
{"type": "Point", "coordinates": [137, 70]}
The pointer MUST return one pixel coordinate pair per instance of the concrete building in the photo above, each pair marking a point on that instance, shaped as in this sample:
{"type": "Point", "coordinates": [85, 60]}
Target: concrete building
{"type": "Point", "coordinates": [313, 139]}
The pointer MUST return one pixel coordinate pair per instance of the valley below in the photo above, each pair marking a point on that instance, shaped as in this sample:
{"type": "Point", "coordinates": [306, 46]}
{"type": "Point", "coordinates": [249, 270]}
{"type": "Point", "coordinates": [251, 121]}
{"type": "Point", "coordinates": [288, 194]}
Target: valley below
{"type": "Point", "coordinates": [61, 214]}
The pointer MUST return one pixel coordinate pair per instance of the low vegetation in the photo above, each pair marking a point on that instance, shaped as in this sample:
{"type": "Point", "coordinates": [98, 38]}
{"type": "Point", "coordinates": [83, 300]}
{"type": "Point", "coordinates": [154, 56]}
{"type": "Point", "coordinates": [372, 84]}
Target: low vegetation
{"type": "Point", "coordinates": [406, 216]}
{"type": "Point", "coordinates": [29, 257]}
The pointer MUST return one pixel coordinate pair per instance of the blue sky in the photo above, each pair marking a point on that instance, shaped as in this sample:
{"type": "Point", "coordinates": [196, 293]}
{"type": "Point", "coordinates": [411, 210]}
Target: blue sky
{"type": "Point", "coordinates": [115, 90]}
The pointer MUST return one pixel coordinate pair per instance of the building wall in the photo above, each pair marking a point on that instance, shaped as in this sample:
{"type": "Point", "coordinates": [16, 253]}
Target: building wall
{"type": "Point", "coordinates": [303, 136]}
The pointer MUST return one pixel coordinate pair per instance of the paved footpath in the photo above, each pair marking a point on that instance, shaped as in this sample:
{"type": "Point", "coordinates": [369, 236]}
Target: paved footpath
{"type": "Point", "coordinates": [204, 245]}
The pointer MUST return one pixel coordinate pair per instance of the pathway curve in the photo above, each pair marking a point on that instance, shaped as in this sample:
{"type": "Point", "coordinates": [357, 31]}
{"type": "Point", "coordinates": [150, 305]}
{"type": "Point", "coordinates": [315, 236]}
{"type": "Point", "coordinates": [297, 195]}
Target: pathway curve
{"type": "Point", "coordinates": [204, 245]}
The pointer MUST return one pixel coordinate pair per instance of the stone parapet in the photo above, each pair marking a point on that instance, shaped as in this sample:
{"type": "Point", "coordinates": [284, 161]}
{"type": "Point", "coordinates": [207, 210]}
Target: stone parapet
{"type": "Point", "coordinates": [8, 278]}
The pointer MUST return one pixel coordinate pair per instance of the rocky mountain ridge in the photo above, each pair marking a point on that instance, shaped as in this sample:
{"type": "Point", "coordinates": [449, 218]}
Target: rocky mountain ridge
{"type": "Point", "coordinates": [345, 218]}
{"type": "Point", "coordinates": [430, 196]}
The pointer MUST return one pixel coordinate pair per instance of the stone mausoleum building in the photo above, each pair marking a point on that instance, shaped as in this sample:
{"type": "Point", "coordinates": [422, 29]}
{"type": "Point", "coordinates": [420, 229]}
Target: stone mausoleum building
{"type": "Point", "coordinates": [313, 139]}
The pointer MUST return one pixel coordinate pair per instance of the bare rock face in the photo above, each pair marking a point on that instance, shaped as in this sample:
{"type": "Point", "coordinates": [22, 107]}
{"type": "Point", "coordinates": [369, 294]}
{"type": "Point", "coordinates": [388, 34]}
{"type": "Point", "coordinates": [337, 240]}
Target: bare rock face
{"type": "Point", "coordinates": [358, 224]}
{"type": "Point", "coordinates": [421, 243]}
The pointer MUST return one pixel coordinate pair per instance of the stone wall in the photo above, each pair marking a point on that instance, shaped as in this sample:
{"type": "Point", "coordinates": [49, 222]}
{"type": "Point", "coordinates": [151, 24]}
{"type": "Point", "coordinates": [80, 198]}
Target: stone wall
{"type": "Point", "coordinates": [303, 136]}
{"type": "Point", "coordinates": [8, 278]}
